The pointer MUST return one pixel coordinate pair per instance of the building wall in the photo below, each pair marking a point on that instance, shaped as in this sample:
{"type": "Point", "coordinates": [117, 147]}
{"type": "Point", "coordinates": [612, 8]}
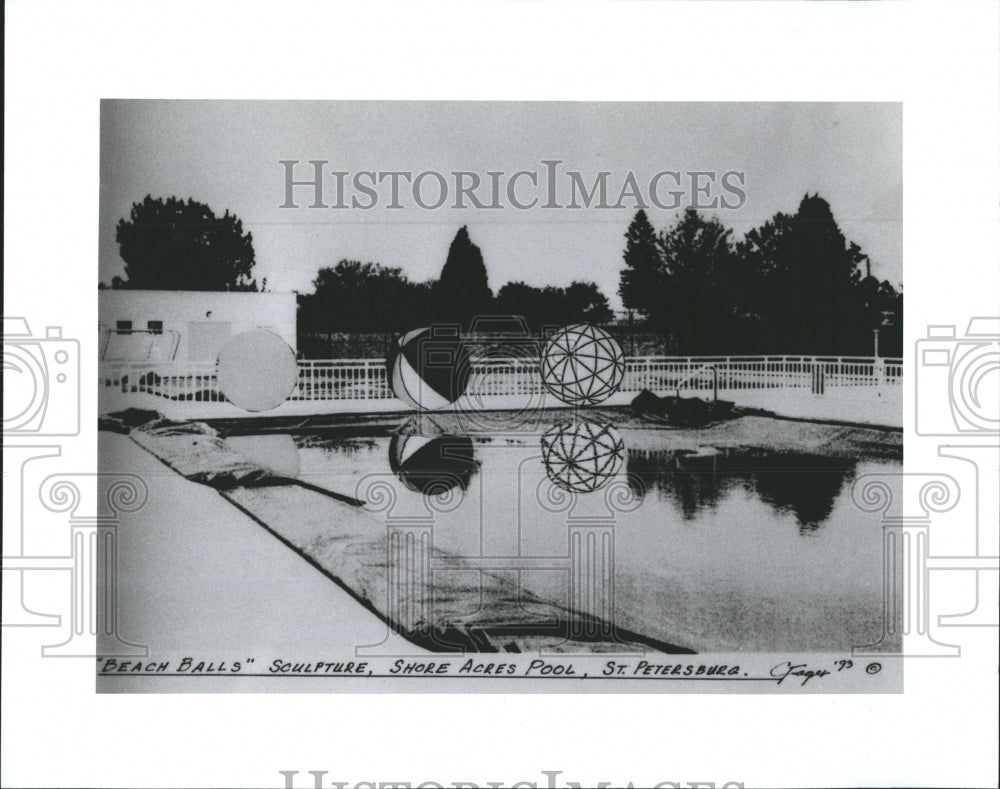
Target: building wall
{"type": "Point", "coordinates": [176, 325]}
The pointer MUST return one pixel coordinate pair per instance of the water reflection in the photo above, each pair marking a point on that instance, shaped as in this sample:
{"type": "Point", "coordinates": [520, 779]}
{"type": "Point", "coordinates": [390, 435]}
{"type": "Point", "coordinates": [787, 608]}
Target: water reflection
{"type": "Point", "coordinates": [805, 485]}
{"type": "Point", "coordinates": [725, 551]}
{"type": "Point", "coordinates": [277, 453]}
{"type": "Point", "coordinates": [582, 456]}
{"type": "Point", "coordinates": [432, 465]}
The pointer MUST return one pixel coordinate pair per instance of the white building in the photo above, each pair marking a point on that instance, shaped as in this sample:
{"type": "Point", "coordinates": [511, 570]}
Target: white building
{"type": "Point", "coordinates": [183, 325]}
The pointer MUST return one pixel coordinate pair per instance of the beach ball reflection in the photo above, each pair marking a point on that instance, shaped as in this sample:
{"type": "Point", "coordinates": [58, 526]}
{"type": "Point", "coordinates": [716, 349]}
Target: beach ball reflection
{"type": "Point", "coordinates": [432, 465]}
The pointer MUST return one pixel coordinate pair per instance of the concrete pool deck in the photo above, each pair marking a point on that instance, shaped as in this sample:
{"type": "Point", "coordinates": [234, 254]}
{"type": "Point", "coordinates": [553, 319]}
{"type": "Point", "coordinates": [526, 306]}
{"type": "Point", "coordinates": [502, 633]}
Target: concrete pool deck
{"type": "Point", "coordinates": [876, 406]}
{"type": "Point", "coordinates": [197, 577]}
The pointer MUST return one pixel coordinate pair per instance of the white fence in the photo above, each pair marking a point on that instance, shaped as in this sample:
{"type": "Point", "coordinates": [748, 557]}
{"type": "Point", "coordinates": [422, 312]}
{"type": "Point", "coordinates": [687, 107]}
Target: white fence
{"type": "Point", "coordinates": [357, 380]}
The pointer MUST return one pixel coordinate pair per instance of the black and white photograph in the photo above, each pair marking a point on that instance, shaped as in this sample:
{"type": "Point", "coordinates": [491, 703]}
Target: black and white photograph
{"type": "Point", "coordinates": [614, 416]}
{"type": "Point", "coordinates": [501, 394]}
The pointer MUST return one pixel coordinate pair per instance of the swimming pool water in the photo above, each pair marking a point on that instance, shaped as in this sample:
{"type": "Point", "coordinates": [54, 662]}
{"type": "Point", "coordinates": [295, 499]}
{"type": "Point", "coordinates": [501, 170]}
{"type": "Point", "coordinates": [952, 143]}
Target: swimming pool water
{"type": "Point", "coordinates": [711, 543]}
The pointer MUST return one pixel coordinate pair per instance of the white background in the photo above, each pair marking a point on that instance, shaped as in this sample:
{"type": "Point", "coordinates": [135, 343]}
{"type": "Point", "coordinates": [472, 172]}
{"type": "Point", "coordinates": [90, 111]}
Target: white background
{"type": "Point", "coordinates": [939, 59]}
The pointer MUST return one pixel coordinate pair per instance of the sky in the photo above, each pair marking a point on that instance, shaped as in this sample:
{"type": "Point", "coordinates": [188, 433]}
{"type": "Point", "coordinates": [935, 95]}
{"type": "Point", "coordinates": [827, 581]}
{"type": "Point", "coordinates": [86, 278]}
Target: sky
{"type": "Point", "coordinates": [228, 155]}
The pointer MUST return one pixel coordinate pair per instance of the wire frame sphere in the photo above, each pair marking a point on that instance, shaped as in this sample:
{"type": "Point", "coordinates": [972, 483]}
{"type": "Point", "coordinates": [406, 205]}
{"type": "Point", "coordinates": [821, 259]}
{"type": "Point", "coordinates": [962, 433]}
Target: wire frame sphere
{"type": "Point", "coordinates": [583, 456]}
{"type": "Point", "coordinates": [582, 365]}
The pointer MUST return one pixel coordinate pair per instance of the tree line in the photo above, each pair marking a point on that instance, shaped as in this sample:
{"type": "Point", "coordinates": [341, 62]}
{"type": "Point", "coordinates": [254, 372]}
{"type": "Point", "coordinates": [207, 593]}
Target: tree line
{"type": "Point", "coordinates": [175, 244]}
{"type": "Point", "coordinates": [794, 285]}
{"type": "Point", "coordinates": [356, 296]}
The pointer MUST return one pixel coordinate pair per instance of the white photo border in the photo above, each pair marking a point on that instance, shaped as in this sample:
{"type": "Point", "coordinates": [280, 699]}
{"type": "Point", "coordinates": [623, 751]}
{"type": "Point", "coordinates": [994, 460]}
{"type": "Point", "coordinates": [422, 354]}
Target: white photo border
{"type": "Point", "coordinates": [939, 59]}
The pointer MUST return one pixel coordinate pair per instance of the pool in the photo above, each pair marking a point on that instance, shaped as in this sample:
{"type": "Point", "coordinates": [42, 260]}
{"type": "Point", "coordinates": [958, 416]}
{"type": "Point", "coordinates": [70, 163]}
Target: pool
{"type": "Point", "coordinates": [741, 536]}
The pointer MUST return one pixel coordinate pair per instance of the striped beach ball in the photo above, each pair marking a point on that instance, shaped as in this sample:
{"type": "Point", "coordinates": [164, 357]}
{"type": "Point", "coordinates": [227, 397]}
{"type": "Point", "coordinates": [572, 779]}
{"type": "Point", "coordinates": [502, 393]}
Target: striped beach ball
{"type": "Point", "coordinates": [429, 369]}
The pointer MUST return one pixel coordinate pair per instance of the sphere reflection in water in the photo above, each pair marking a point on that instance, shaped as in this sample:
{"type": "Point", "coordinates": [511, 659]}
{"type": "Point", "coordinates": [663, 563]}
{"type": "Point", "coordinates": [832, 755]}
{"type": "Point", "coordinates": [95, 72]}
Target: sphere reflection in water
{"type": "Point", "coordinates": [432, 464]}
{"type": "Point", "coordinates": [582, 456]}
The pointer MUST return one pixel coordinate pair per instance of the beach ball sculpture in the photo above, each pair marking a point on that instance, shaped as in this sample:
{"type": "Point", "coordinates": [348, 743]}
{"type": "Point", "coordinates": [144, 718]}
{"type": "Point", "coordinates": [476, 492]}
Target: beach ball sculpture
{"type": "Point", "coordinates": [429, 369]}
{"type": "Point", "coordinates": [582, 365]}
{"type": "Point", "coordinates": [256, 370]}
{"type": "Point", "coordinates": [582, 457]}
{"type": "Point", "coordinates": [432, 464]}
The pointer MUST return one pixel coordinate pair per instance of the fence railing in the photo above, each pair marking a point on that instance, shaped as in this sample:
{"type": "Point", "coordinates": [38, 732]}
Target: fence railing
{"type": "Point", "coordinates": [365, 379]}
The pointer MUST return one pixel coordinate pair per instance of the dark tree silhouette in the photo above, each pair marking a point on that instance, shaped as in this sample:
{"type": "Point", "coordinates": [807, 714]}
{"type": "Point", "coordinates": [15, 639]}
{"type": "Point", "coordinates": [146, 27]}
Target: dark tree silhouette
{"type": "Point", "coordinates": [355, 296]}
{"type": "Point", "coordinates": [584, 302]}
{"type": "Point", "coordinates": [792, 285]}
{"type": "Point", "coordinates": [580, 302]}
{"type": "Point", "coordinates": [175, 245]}
{"type": "Point", "coordinates": [806, 283]}
{"type": "Point", "coordinates": [517, 298]}
{"type": "Point", "coordinates": [826, 276]}
{"type": "Point", "coordinates": [697, 300]}
{"type": "Point", "coordinates": [642, 279]}
{"type": "Point", "coordinates": [463, 290]}
{"type": "Point", "coordinates": [765, 298]}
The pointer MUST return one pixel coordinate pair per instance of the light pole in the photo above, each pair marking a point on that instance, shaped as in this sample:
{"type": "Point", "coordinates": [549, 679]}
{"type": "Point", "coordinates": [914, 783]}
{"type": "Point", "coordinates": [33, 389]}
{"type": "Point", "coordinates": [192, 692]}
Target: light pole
{"type": "Point", "coordinates": [875, 332]}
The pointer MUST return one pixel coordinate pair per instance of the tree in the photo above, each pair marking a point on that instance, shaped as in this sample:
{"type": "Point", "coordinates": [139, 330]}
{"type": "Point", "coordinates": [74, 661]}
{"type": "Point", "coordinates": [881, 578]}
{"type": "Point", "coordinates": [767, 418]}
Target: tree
{"type": "Point", "coordinates": [793, 285]}
{"type": "Point", "coordinates": [697, 300]}
{"type": "Point", "coordinates": [581, 302]}
{"type": "Point", "coordinates": [642, 278]}
{"type": "Point", "coordinates": [768, 306]}
{"type": "Point", "coordinates": [356, 296]}
{"type": "Point", "coordinates": [585, 303]}
{"type": "Point", "coordinates": [463, 290]}
{"type": "Point", "coordinates": [807, 286]}
{"type": "Point", "coordinates": [176, 245]}
{"type": "Point", "coordinates": [517, 298]}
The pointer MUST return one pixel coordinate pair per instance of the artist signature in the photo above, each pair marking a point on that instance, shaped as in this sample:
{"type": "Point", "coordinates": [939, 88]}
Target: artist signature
{"type": "Point", "coordinates": [798, 670]}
